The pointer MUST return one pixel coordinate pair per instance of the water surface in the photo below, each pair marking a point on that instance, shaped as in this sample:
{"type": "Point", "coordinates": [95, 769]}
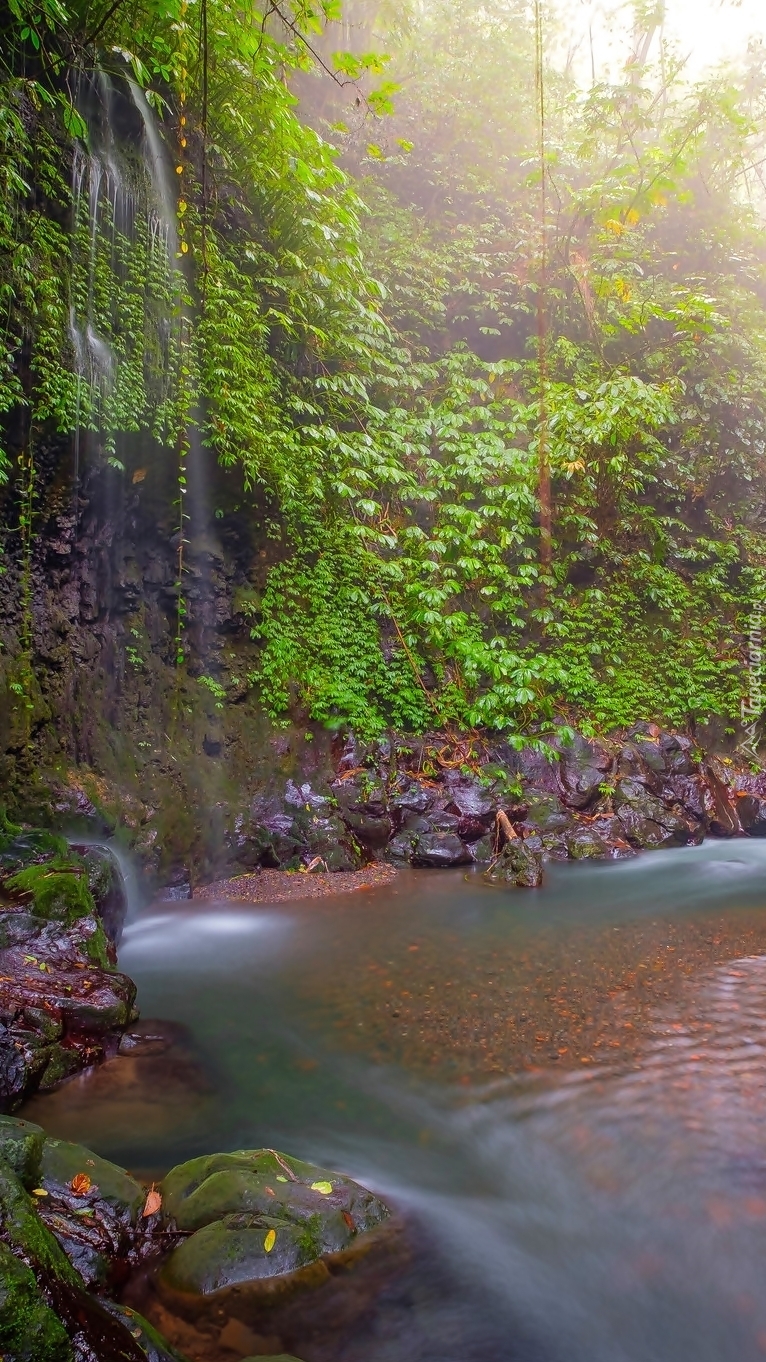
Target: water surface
{"type": "Point", "coordinates": [563, 1089]}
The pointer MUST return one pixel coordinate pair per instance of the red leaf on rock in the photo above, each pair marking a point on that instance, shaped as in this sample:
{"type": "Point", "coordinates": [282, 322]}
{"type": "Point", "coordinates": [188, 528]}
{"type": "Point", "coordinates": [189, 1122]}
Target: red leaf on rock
{"type": "Point", "coordinates": [152, 1203]}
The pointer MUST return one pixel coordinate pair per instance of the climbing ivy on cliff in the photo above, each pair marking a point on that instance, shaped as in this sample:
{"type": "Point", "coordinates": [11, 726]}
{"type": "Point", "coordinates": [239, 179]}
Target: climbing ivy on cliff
{"type": "Point", "coordinates": [365, 270]}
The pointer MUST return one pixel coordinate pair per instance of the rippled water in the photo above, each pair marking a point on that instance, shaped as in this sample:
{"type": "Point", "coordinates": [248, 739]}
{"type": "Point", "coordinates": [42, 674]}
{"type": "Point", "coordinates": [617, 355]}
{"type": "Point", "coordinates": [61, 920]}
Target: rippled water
{"type": "Point", "coordinates": [564, 1090]}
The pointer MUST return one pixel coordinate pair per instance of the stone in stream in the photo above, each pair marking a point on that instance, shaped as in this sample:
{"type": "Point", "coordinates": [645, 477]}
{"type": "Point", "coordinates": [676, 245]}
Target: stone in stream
{"type": "Point", "coordinates": [274, 1242]}
{"type": "Point", "coordinates": [517, 864]}
{"type": "Point", "coordinates": [255, 1215]}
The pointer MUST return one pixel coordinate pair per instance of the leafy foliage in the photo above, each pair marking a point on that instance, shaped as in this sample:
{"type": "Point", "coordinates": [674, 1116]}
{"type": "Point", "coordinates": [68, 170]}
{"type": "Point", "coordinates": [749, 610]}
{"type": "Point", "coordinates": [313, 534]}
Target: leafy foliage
{"type": "Point", "coordinates": [363, 343]}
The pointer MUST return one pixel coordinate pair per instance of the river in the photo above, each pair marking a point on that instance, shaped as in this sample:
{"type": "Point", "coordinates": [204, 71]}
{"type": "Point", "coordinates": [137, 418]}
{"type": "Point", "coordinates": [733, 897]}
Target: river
{"type": "Point", "coordinates": [563, 1090]}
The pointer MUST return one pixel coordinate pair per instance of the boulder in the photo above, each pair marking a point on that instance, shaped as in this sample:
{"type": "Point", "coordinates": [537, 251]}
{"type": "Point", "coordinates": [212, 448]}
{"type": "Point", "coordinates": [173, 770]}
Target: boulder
{"type": "Point", "coordinates": [751, 812]}
{"type": "Point", "coordinates": [584, 768]}
{"type": "Point", "coordinates": [720, 801]}
{"type": "Point", "coordinates": [584, 844]}
{"type": "Point", "coordinates": [259, 1221]}
{"type": "Point", "coordinates": [412, 796]}
{"type": "Point", "coordinates": [546, 813]}
{"type": "Point", "coordinates": [46, 1313]}
{"type": "Point", "coordinates": [92, 1207]}
{"type": "Point", "coordinates": [440, 850]}
{"type": "Point", "coordinates": [401, 848]}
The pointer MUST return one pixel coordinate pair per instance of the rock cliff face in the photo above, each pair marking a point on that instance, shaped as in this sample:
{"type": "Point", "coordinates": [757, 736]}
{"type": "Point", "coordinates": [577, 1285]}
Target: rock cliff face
{"type": "Point", "coordinates": [101, 729]}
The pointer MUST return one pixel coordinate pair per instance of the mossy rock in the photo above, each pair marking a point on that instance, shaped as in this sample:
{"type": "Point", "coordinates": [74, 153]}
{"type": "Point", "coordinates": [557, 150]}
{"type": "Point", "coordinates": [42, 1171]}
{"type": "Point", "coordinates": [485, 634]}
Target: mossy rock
{"type": "Point", "coordinates": [260, 1181]}
{"type": "Point", "coordinates": [58, 889]}
{"type": "Point", "coordinates": [62, 1161]}
{"type": "Point", "coordinates": [151, 1343]}
{"type": "Point", "coordinates": [35, 1270]}
{"type": "Point", "coordinates": [29, 1330]}
{"type": "Point", "coordinates": [29, 848]}
{"type": "Point", "coordinates": [260, 1220]}
{"type": "Point", "coordinates": [517, 864]}
{"type": "Point", "coordinates": [21, 1147]}
{"type": "Point", "coordinates": [233, 1252]}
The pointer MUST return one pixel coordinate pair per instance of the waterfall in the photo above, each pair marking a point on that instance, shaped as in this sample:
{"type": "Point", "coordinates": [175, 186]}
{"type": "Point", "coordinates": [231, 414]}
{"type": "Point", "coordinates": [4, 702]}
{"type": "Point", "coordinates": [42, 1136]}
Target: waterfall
{"type": "Point", "coordinates": [124, 238]}
{"type": "Point", "coordinates": [159, 166]}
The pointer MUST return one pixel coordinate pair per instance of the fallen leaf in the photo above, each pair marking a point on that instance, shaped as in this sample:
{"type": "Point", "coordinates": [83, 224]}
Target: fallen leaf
{"type": "Point", "coordinates": [349, 1219]}
{"type": "Point", "coordinates": [39, 1191]}
{"type": "Point", "coordinates": [324, 1187]}
{"type": "Point", "coordinates": [270, 1191]}
{"type": "Point", "coordinates": [270, 1240]}
{"type": "Point", "coordinates": [280, 1178]}
{"type": "Point", "coordinates": [139, 475]}
{"type": "Point", "coordinates": [152, 1203]}
{"type": "Point", "coordinates": [80, 1184]}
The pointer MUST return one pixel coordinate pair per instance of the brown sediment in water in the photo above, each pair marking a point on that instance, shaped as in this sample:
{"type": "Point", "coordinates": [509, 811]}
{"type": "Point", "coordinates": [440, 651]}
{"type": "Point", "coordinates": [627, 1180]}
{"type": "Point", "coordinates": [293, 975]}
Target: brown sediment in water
{"type": "Point", "coordinates": [279, 886]}
{"type": "Point", "coordinates": [563, 998]}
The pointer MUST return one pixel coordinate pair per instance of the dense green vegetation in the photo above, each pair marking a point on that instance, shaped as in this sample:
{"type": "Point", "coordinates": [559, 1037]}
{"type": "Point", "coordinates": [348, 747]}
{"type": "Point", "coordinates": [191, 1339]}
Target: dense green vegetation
{"type": "Point", "coordinates": [399, 301]}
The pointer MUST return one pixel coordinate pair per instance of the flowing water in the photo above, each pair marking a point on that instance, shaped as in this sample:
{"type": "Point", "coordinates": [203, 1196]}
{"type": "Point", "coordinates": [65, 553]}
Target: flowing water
{"type": "Point", "coordinates": [563, 1091]}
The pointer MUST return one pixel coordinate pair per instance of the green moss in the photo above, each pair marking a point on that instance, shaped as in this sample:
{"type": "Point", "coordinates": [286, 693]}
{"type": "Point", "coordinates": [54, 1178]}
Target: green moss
{"type": "Point", "coordinates": [59, 889]}
{"type": "Point", "coordinates": [310, 1244]}
{"type": "Point", "coordinates": [29, 1330]}
{"type": "Point", "coordinates": [28, 1236]}
{"type": "Point", "coordinates": [97, 947]}
{"type": "Point", "coordinates": [19, 849]}
{"type": "Point", "coordinates": [21, 1147]}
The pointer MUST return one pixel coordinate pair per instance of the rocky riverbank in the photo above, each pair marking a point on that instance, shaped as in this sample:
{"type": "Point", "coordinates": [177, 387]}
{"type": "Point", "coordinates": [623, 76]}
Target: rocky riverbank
{"type": "Point", "coordinates": [434, 803]}
{"type": "Point", "coordinates": [63, 1004]}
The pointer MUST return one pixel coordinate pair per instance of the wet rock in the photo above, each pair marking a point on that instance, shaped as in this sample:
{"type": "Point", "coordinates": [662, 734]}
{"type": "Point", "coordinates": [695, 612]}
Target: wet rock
{"type": "Point", "coordinates": [152, 1345]}
{"type": "Point", "coordinates": [584, 768]}
{"type": "Point", "coordinates": [688, 791]}
{"type": "Point", "coordinates": [412, 797]}
{"type": "Point", "coordinates": [517, 864]}
{"type": "Point", "coordinates": [401, 848]}
{"type": "Point", "coordinates": [471, 799]}
{"type": "Point", "coordinates": [21, 1148]}
{"type": "Point", "coordinates": [371, 831]}
{"type": "Point", "coordinates": [719, 799]}
{"type": "Point", "coordinates": [62, 1006]}
{"type": "Point", "coordinates": [440, 850]}
{"type": "Point", "coordinates": [584, 843]}
{"type": "Point", "coordinates": [483, 850]}
{"type": "Point", "coordinates": [642, 814]}
{"type": "Point", "coordinates": [546, 813]}
{"type": "Point", "coordinates": [97, 1225]}
{"type": "Point", "coordinates": [609, 828]}
{"type": "Point", "coordinates": [257, 1220]}
{"type": "Point", "coordinates": [29, 1329]}
{"type": "Point", "coordinates": [751, 812]}
{"type": "Point", "coordinates": [554, 846]}
{"type": "Point", "coordinates": [680, 754]}
{"type": "Point", "coordinates": [46, 1313]}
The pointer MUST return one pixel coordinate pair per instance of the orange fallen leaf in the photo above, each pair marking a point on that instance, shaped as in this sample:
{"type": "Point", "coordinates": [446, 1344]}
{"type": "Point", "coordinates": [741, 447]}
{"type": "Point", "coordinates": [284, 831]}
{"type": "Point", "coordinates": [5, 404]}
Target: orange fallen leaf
{"type": "Point", "coordinates": [152, 1203]}
{"type": "Point", "coordinates": [349, 1220]}
{"type": "Point", "coordinates": [80, 1184]}
{"type": "Point", "coordinates": [270, 1191]}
